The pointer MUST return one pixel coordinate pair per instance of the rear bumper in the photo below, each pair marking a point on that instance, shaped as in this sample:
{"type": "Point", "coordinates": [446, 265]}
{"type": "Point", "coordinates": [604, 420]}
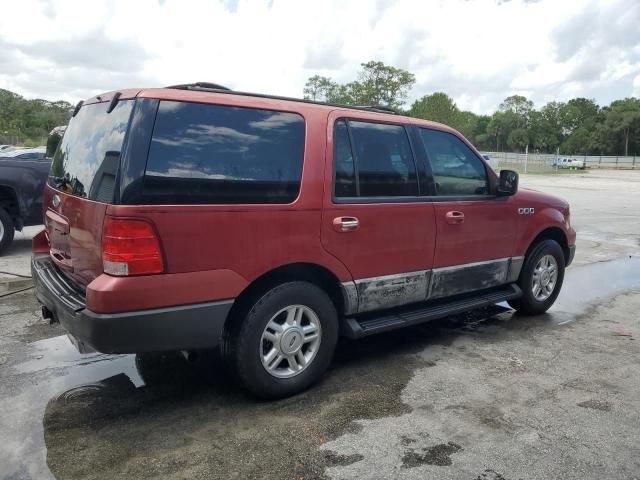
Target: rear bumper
{"type": "Point", "coordinates": [186, 327]}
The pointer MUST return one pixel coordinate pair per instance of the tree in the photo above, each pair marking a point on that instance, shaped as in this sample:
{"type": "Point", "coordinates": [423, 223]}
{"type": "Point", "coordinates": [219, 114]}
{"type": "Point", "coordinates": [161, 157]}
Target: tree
{"type": "Point", "coordinates": [317, 88]}
{"type": "Point", "coordinates": [622, 119]}
{"type": "Point", "coordinates": [519, 106]}
{"type": "Point", "coordinates": [382, 84]}
{"type": "Point", "coordinates": [518, 139]}
{"type": "Point", "coordinates": [437, 107]}
{"type": "Point", "coordinates": [28, 122]}
{"type": "Point", "coordinates": [576, 113]}
{"type": "Point", "coordinates": [377, 84]}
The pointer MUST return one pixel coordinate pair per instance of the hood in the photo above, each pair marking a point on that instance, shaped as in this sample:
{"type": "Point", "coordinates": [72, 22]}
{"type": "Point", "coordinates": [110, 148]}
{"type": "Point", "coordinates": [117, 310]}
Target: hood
{"type": "Point", "coordinates": [542, 198]}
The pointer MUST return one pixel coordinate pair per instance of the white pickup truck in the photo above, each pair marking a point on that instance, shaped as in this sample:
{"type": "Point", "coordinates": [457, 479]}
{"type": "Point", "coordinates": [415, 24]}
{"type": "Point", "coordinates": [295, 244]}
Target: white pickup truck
{"type": "Point", "coordinates": [571, 163]}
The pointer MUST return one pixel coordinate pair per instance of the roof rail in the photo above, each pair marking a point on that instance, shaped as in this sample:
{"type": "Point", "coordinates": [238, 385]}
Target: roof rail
{"type": "Point", "coordinates": [377, 108]}
{"type": "Point", "coordinates": [214, 87]}
{"type": "Point", "coordinates": [200, 86]}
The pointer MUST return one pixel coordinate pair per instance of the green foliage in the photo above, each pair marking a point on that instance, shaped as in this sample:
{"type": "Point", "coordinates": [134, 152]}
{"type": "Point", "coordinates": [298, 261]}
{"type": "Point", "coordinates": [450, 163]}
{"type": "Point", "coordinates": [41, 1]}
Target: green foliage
{"type": "Point", "coordinates": [437, 107]}
{"type": "Point", "coordinates": [377, 84]}
{"type": "Point", "coordinates": [28, 122]}
{"type": "Point", "coordinates": [578, 126]}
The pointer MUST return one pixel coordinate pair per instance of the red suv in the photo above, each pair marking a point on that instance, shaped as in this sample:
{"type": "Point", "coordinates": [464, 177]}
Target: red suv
{"type": "Point", "coordinates": [192, 217]}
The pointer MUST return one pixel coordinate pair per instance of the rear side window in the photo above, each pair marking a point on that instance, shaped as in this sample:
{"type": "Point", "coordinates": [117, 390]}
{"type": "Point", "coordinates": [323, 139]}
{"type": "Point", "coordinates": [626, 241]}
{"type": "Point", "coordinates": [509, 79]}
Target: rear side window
{"type": "Point", "coordinates": [88, 157]}
{"type": "Point", "coordinates": [373, 160]}
{"type": "Point", "coordinates": [456, 169]}
{"type": "Point", "coordinates": [203, 153]}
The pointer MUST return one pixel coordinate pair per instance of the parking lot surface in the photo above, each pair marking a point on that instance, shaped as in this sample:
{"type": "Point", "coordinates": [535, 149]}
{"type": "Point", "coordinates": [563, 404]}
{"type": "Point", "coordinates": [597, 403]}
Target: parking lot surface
{"type": "Point", "coordinates": [487, 395]}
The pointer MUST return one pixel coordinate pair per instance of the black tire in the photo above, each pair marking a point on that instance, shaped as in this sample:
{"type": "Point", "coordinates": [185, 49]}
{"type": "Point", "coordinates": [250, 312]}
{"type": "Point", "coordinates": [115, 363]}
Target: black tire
{"type": "Point", "coordinates": [8, 230]}
{"type": "Point", "coordinates": [528, 304]}
{"type": "Point", "coordinates": [243, 341]}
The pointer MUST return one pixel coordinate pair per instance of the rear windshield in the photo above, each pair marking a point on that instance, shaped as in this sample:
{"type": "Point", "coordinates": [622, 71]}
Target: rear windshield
{"type": "Point", "coordinates": [203, 153]}
{"type": "Point", "coordinates": [87, 160]}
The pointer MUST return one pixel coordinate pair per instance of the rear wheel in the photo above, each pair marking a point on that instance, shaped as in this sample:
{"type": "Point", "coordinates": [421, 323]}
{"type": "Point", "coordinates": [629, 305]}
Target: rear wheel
{"type": "Point", "coordinates": [285, 341]}
{"type": "Point", "coordinates": [7, 230]}
{"type": "Point", "coordinates": [541, 278]}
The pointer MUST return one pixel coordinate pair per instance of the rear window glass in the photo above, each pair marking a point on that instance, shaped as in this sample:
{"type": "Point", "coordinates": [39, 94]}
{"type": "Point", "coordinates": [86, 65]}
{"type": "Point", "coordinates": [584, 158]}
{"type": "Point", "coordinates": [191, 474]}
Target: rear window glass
{"type": "Point", "coordinates": [217, 154]}
{"type": "Point", "coordinates": [87, 159]}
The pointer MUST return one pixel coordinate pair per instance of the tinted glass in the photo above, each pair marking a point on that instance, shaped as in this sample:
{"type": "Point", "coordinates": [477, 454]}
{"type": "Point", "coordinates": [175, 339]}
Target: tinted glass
{"type": "Point", "coordinates": [216, 154]}
{"type": "Point", "coordinates": [87, 160]}
{"type": "Point", "coordinates": [456, 169]}
{"type": "Point", "coordinates": [345, 180]}
{"type": "Point", "coordinates": [384, 160]}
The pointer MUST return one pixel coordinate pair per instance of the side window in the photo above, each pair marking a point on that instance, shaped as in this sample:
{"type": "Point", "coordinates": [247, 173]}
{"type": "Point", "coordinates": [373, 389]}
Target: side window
{"type": "Point", "coordinates": [381, 156]}
{"type": "Point", "coordinates": [345, 178]}
{"type": "Point", "coordinates": [456, 169]}
{"type": "Point", "coordinates": [203, 153]}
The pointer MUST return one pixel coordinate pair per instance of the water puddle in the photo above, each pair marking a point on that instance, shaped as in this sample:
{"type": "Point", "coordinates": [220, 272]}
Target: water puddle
{"type": "Point", "coordinates": [587, 285]}
{"type": "Point", "coordinates": [54, 369]}
{"type": "Point", "coordinates": [52, 374]}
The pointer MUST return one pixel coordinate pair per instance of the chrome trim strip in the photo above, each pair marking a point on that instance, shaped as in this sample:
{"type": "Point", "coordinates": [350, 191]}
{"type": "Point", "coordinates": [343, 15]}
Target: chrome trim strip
{"type": "Point", "coordinates": [515, 266]}
{"type": "Point", "coordinates": [468, 277]}
{"type": "Point", "coordinates": [388, 291]}
{"type": "Point", "coordinates": [350, 295]}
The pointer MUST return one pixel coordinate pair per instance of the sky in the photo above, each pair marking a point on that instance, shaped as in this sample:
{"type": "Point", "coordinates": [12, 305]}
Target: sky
{"type": "Point", "coordinates": [477, 51]}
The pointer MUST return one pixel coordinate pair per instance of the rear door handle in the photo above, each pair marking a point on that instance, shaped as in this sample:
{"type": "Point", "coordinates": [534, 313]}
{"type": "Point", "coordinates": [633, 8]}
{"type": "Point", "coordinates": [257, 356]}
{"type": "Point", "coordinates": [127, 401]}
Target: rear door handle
{"type": "Point", "coordinates": [345, 224]}
{"type": "Point", "coordinates": [454, 217]}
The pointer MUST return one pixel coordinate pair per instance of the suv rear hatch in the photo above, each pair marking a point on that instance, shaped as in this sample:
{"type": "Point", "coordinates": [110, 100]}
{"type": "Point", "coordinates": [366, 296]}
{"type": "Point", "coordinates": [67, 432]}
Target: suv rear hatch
{"type": "Point", "coordinates": [81, 185]}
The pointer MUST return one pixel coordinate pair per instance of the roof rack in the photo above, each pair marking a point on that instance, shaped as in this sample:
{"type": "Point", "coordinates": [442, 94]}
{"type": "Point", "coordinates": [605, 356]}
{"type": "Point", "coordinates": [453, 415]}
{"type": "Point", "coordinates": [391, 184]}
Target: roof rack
{"type": "Point", "coordinates": [377, 108]}
{"type": "Point", "coordinates": [214, 87]}
{"type": "Point", "coordinates": [200, 86]}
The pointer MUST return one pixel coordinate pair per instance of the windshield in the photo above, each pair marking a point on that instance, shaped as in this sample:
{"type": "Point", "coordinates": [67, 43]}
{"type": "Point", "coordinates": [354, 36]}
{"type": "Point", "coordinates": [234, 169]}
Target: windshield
{"type": "Point", "coordinates": [87, 160]}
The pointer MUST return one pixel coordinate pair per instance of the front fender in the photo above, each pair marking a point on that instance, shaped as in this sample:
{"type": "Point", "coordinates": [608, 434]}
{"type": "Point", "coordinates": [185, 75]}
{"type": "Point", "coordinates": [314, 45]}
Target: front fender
{"type": "Point", "coordinates": [544, 218]}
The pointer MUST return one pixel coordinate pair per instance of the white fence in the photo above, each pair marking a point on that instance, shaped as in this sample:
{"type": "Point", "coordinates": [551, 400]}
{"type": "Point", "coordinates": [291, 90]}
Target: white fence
{"type": "Point", "coordinates": [543, 162]}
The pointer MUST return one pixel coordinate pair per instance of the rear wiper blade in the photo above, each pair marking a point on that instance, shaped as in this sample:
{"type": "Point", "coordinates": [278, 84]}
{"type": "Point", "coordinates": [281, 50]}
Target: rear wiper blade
{"type": "Point", "coordinates": [114, 102]}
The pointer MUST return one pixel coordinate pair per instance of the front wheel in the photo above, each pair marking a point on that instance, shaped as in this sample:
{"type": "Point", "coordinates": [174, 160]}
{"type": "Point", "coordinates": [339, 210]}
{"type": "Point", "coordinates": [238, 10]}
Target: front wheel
{"type": "Point", "coordinates": [541, 278]}
{"type": "Point", "coordinates": [285, 341]}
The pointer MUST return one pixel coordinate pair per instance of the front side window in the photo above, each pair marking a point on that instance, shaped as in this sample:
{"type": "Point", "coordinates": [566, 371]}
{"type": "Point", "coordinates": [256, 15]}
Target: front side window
{"type": "Point", "coordinates": [204, 153]}
{"type": "Point", "coordinates": [456, 169]}
{"type": "Point", "coordinates": [378, 163]}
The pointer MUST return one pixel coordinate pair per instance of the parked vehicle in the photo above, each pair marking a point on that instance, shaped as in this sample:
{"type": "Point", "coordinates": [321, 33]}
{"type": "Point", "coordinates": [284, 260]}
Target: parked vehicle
{"type": "Point", "coordinates": [23, 173]}
{"type": "Point", "coordinates": [192, 217]}
{"type": "Point", "coordinates": [570, 163]}
{"type": "Point", "coordinates": [6, 147]}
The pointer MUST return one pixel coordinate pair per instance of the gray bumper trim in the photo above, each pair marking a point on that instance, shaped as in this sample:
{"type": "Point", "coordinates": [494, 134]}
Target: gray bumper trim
{"type": "Point", "coordinates": [185, 327]}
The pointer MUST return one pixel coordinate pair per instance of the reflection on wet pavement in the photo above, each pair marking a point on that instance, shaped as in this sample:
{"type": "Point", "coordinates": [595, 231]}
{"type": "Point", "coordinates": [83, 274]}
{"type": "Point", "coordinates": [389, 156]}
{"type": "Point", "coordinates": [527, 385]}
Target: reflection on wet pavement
{"type": "Point", "coordinates": [586, 285]}
{"type": "Point", "coordinates": [75, 415]}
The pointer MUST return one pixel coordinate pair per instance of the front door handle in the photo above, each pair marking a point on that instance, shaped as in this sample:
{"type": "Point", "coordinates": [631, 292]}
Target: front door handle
{"type": "Point", "coordinates": [454, 217]}
{"type": "Point", "coordinates": [345, 224]}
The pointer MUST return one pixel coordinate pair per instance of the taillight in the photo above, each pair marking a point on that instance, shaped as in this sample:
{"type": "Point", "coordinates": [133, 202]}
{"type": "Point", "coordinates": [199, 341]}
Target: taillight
{"type": "Point", "coordinates": [130, 247]}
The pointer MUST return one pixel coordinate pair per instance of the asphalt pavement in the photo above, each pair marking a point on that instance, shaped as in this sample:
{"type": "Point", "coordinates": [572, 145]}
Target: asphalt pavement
{"type": "Point", "coordinates": [488, 395]}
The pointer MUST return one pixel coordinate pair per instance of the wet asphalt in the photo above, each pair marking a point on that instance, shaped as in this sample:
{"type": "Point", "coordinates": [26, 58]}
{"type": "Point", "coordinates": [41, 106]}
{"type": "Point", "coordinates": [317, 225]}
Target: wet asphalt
{"type": "Point", "coordinates": [486, 395]}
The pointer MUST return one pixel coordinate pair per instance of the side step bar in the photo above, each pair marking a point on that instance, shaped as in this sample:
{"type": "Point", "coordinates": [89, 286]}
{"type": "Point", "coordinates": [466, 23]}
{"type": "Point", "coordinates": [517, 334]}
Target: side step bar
{"type": "Point", "coordinates": [357, 328]}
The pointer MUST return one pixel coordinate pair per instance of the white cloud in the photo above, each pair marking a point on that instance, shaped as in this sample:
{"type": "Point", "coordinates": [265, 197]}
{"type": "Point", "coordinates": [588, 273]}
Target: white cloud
{"type": "Point", "coordinates": [477, 51]}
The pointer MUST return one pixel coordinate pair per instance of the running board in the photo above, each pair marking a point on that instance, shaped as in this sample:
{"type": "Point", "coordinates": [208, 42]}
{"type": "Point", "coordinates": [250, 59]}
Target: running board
{"type": "Point", "coordinates": [357, 328]}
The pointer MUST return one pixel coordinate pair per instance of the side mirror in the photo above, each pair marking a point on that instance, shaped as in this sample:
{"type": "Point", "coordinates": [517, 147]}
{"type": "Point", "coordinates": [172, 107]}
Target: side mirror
{"type": "Point", "coordinates": [508, 183]}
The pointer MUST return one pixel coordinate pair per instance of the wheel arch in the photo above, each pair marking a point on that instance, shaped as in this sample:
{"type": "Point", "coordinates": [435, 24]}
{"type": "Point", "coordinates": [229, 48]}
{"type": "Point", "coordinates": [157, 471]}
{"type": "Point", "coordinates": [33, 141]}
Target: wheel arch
{"type": "Point", "coordinates": [9, 201]}
{"type": "Point", "coordinates": [551, 233]}
{"type": "Point", "coordinates": [309, 272]}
